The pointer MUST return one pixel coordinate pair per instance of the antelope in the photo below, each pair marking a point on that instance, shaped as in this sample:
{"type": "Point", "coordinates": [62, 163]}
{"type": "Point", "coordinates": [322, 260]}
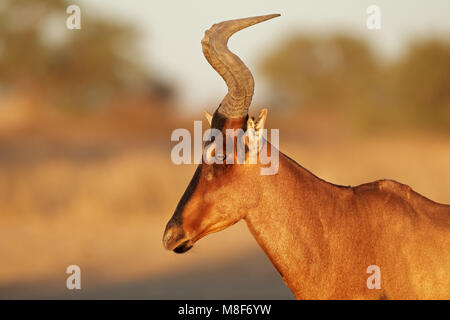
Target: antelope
{"type": "Point", "coordinates": [321, 237]}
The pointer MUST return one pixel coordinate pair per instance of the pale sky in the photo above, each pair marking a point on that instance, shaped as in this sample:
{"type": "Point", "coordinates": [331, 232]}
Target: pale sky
{"type": "Point", "coordinates": [172, 31]}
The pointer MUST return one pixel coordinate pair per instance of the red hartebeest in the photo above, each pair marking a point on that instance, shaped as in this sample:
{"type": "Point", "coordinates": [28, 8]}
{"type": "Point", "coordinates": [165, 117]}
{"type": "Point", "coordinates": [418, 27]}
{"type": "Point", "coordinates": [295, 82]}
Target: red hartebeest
{"type": "Point", "coordinates": [321, 237]}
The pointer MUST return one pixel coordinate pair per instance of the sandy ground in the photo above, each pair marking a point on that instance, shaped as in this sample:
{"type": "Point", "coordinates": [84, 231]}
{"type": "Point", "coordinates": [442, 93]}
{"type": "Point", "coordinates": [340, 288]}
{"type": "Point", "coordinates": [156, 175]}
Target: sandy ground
{"type": "Point", "coordinates": [227, 265]}
{"type": "Point", "coordinates": [106, 212]}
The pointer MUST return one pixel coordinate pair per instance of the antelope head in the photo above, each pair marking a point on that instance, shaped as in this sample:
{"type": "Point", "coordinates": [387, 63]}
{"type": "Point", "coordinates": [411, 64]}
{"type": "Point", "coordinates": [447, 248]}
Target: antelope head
{"type": "Point", "coordinates": [221, 192]}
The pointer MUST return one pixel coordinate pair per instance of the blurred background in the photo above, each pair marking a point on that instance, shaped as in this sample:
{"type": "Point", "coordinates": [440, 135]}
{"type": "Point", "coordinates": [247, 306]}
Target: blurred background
{"type": "Point", "coordinates": [86, 117]}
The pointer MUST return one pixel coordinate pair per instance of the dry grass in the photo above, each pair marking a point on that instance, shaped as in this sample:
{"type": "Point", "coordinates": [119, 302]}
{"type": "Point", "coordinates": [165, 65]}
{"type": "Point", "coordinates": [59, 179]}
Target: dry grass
{"type": "Point", "coordinates": [107, 214]}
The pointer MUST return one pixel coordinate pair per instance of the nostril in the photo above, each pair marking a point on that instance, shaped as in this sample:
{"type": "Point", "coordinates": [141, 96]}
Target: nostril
{"type": "Point", "coordinates": [167, 237]}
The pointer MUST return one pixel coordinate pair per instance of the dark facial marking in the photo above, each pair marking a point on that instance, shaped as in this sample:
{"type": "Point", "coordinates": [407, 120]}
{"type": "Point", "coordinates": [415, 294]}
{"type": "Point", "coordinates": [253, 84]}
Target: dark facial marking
{"type": "Point", "coordinates": [177, 217]}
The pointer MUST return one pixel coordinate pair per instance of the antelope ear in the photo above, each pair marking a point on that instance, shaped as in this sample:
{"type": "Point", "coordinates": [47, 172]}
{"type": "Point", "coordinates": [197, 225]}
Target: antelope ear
{"type": "Point", "coordinates": [208, 116]}
{"type": "Point", "coordinates": [256, 136]}
{"type": "Point", "coordinates": [250, 123]}
{"type": "Point", "coordinates": [260, 123]}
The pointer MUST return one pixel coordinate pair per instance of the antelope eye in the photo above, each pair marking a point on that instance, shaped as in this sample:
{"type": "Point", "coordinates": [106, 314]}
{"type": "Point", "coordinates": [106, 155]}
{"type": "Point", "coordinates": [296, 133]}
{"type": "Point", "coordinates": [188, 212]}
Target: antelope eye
{"type": "Point", "coordinates": [220, 156]}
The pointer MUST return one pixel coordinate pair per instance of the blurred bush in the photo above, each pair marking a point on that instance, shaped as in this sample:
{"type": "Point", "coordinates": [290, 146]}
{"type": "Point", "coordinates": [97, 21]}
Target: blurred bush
{"type": "Point", "coordinates": [422, 82]}
{"type": "Point", "coordinates": [343, 75]}
{"type": "Point", "coordinates": [70, 69]}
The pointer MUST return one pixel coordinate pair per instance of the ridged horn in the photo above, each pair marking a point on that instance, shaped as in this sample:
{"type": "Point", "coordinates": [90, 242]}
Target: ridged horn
{"type": "Point", "coordinates": [237, 76]}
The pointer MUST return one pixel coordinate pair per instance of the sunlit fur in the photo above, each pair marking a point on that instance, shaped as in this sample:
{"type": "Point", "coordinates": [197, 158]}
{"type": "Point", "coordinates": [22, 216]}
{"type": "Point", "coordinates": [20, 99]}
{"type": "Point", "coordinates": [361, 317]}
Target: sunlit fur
{"type": "Point", "coordinates": [319, 236]}
{"type": "Point", "coordinates": [322, 237]}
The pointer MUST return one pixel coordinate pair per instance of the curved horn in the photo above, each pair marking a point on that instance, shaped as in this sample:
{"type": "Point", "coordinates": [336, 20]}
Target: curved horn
{"type": "Point", "coordinates": [237, 76]}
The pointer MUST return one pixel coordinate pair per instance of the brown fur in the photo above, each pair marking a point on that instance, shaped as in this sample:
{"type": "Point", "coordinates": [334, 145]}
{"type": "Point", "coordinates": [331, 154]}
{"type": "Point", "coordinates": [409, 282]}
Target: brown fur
{"type": "Point", "coordinates": [322, 237]}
